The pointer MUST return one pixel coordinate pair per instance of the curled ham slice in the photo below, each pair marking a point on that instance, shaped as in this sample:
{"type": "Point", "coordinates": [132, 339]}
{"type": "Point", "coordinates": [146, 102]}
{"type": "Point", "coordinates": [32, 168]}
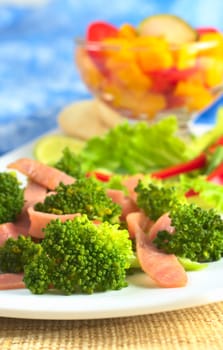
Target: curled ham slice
{"type": "Point", "coordinates": [164, 269]}
{"type": "Point", "coordinates": [39, 220]}
{"type": "Point", "coordinates": [136, 219]}
{"type": "Point", "coordinates": [9, 230]}
{"type": "Point", "coordinates": [161, 224]}
{"type": "Point", "coordinates": [131, 182]}
{"type": "Point", "coordinates": [11, 281]}
{"type": "Point", "coordinates": [42, 174]}
{"type": "Point", "coordinates": [126, 203]}
{"type": "Point", "coordinates": [33, 193]}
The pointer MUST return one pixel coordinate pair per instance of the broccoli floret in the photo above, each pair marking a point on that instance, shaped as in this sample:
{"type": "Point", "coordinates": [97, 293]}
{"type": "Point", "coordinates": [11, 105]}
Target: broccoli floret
{"type": "Point", "coordinates": [70, 163]}
{"type": "Point", "coordinates": [84, 196]}
{"type": "Point", "coordinates": [198, 234]}
{"type": "Point", "coordinates": [11, 197]}
{"type": "Point", "coordinates": [16, 253]}
{"type": "Point", "coordinates": [80, 257]}
{"type": "Point", "coordinates": [156, 199]}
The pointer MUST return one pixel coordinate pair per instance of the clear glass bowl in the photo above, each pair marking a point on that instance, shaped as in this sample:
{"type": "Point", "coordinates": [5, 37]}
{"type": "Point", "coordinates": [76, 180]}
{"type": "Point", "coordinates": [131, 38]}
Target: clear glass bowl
{"type": "Point", "coordinates": [147, 78]}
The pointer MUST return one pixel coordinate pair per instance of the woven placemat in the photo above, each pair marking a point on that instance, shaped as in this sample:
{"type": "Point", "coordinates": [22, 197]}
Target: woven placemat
{"type": "Point", "coordinates": [199, 328]}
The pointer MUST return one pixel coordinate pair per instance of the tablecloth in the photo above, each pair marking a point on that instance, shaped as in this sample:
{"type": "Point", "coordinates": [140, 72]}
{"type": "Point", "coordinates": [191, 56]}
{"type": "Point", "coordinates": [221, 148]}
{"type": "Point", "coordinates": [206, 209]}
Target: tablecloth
{"type": "Point", "coordinates": [199, 328]}
{"type": "Point", "coordinates": [37, 72]}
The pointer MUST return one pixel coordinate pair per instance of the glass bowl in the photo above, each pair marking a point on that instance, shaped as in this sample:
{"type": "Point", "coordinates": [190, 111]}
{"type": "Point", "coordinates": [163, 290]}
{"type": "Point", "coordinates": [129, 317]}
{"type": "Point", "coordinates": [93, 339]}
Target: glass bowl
{"type": "Point", "coordinates": [146, 77]}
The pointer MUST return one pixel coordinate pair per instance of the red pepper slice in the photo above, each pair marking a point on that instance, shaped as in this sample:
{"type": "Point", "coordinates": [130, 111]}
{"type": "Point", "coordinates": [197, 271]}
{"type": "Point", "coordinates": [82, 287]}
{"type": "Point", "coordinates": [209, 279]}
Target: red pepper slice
{"type": "Point", "coordinates": [100, 176]}
{"type": "Point", "coordinates": [216, 175]}
{"type": "Point", "coordinates": [194, 164]}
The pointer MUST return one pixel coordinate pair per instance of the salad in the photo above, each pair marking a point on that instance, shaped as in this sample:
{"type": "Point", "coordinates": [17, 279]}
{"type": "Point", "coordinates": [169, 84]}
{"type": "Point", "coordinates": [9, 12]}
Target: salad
{"type": "Point", "coordinates": [125, 202]}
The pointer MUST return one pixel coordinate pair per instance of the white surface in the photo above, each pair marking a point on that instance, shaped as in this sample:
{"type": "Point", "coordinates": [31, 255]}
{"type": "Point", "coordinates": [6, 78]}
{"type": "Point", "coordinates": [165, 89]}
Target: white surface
{"type": "Point", "coordinates": [140, 297]}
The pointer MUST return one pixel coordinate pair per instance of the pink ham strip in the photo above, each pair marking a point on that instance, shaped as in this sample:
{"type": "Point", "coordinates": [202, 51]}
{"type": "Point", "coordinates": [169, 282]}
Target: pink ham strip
{"type": "Point", "coordinates": [131, 182]}
{"type": "Point", "coordinates": [163, 223]}
{"type": "Point", "coordinates": [11, 230]}
{"type": "Point", "coordinates": [39, 220]}
{"type": "Point", "coordinates": [140, 219]}
{"type": "Point", "coordinates": [42, 174]}
{"type": "Point", "coordinates": [11, 281]}
{"type": "Point", "coordinates": [126, 203]}
{"type": "Point", "coordinates": [164, 269]}
{"type": "Point", "coordinates": [34, 193]}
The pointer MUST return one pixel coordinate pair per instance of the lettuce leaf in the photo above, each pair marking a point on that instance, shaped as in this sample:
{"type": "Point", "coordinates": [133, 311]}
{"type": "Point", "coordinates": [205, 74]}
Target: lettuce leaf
{"type": "Point", "coordinates": [132, 148]}
{"type": "Point", "coordinates": [210, 195]}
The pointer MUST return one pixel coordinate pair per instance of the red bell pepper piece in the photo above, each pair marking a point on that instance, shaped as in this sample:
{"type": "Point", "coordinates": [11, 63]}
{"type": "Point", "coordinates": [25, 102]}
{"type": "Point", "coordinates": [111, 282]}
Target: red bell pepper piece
{"type": "Point", "coordinates": [216, 175]}
{"type": "Point", "coordinates": [194, 164]}
{"type": "Point", "coordinates": [165, 79]}
{"type": "Point", "coordinates": [100, 30]}
{"type": "Point", "coordinates": [100, 176]}
{"type": "Point", "coordinates": [96, 32]}
{"type": "Point", "coordinates": [206, 30]}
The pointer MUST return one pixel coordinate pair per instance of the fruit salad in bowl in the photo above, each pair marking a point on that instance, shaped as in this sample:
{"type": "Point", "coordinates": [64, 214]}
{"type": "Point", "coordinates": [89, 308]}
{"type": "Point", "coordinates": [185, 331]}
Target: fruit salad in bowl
{"type": "Point", "coordinates": [163, 64]}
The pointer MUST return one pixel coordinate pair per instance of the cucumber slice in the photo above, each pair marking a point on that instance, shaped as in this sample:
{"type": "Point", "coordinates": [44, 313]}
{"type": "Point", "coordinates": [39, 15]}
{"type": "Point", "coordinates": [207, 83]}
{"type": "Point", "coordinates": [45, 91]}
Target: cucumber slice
{"type": "Point", "coordinates": [173, 28]}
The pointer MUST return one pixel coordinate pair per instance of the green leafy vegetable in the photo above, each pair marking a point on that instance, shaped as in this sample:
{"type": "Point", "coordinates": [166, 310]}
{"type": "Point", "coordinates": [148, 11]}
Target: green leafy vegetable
{"type": "Point", "coordinates": [136, 148]}
{"type": "Point", "coordinates": [209, 194]}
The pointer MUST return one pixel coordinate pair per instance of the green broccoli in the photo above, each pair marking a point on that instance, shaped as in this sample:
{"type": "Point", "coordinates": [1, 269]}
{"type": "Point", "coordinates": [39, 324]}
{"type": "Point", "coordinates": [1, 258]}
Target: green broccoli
{"type": "Point", "coordinates": [157, 198]}
{"type": "Point", "coordinates": [198, 233]}
{"type": "Point", "coordinates": [16, 253]}
{"type": "Point", "coordinates": [70, 163]}
{"type": "Point", "coordinates": [84, 196]}
{"type": "Point", "coordinates": [11, 197]}
{"type": "Point", "coordinates": [80, 257]}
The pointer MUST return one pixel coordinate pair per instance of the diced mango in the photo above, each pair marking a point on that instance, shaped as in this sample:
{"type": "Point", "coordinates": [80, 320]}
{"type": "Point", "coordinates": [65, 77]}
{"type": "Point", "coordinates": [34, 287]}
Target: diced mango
{"type": "Point", "coordinates": [185, 57]}
{"type": "Point", "coordinates": [153, 54]}
{"type": "Point", "coordinates": [196, 95]}
{"type": "Point", "coordinates": [126, 30]}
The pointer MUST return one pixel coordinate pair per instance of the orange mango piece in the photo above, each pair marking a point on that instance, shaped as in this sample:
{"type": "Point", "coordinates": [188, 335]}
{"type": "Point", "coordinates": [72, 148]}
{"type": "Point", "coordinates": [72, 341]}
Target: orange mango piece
{"type": "Point", "coordinates": [153, 54]}
{"type": "Point", "coordinates": [196, 95]}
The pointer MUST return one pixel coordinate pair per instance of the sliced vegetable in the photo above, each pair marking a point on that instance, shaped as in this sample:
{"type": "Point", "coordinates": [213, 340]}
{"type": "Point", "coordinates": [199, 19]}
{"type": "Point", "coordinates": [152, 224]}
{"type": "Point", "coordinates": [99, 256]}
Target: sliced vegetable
{"type": "Point", "coordinates": [102, 176]}
{"type": "Point", "coordinates": [173, 28]}
{"type": "Point", "coordinates": [194, 164]}
{"type": "Point", "coordinates": [216, 175]}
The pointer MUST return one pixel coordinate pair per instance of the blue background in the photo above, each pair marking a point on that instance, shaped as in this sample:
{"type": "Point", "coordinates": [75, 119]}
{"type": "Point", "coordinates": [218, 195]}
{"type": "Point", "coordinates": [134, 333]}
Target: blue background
{"type": "Point", "coordinates": [37, 72]}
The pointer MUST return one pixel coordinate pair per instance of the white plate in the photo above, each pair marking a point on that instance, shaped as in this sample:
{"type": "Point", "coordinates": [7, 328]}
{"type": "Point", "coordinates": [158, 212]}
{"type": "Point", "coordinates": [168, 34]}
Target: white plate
{"type": "Point", "coordinates": [140, 297]}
